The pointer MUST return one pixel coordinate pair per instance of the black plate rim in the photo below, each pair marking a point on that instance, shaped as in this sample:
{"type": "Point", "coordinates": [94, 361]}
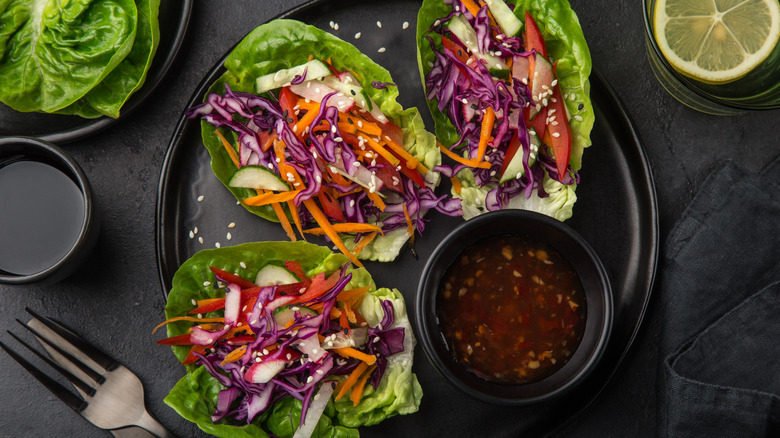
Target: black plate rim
{"type": "Point", "coordinates": [92, 126]}
{"type": "Point", "coordinates": [649, 229]}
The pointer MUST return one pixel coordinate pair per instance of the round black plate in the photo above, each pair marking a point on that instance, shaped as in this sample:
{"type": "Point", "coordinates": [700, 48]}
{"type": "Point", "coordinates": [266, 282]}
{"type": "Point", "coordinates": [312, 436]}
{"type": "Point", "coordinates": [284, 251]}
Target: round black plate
{"type": "Point", "coordinates": [174, 18]}
{"type": "Point", "coordinates": [616, 212]}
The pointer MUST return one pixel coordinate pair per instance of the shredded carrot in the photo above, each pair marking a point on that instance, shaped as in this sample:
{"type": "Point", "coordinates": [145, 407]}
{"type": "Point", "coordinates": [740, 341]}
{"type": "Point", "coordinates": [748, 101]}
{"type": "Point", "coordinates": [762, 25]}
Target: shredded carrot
{"type": "Point", "coordinates": [369, 359]}
{"type": "Point", "coordinates": [351, 192]}
{"type": "Point", "coordinates": [347, 309]}
{"type": "Point", "coordinates": [296, 217]}
{"type": "Point", "coordinates": [284, 221]}
{"type": "Point", "coordinates": [347, 127]}
{"type": "Point", "coordinates": [487, 128]}
{"type": "Point", "coordinates": [320, 218]}
{"type": "Point", "coordinates": [357, 390]}
{"type": "Point", "coordinates": [461, 160]}
{"type": "Point", "coordinates": [270, 198]}
{"type": "Point", "coordinates": [456, 185]}
{"type": "Point", "coordinates": [409, 225]}
{"type": "Point", "coordinates": [343, 320]}
{"type": "Point", "coordinates": [348, 294]}
{"type": "Point", "coordinates": [471, 6]}
{"type": "Point", "coordinates": [353, 377]}
{"type": "Point", "coordinates": [346, 227]}
{"type": "Point", "coordinates": [306, 120]}
{"type": "Point", "coordinates": [365, 126]}
{"type": "Point", "coordinates": [234, 355]}
{"type": "Point", "coordinates": [380, 149]}
{"type": "Point", "coordinates": [376, 199]}
{"type": "Point", "coordinates": [411, 161]}
{"type": "Point", "coordinates": [230, 150]}
{"type": "Point", "coordinates": [307, 105]}
{"type": "Point", "coordinates": [364, 241]}
{"type": "Point", "coordinates": [188, 318]}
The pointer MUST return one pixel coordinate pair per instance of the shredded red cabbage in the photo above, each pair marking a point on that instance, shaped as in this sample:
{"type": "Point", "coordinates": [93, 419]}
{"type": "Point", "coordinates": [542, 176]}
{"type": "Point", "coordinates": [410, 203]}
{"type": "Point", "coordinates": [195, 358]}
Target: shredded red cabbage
{"type": "Point", "coordinates": [464, 91]}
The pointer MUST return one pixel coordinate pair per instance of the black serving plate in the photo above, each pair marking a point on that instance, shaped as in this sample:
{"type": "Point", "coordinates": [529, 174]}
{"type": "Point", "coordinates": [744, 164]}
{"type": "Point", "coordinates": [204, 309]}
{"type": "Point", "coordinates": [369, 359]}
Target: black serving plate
{"type": "Point", "coordinates": [174, 17]}
{"type": "Point", "coordinates": [616, 213]}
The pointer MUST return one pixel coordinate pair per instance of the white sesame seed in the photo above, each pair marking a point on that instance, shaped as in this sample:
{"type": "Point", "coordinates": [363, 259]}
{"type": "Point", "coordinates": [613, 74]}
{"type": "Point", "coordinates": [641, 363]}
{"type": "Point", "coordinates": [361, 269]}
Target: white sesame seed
{"type": "Point", "coordinates": [217, 245]}
{"type": "Point", "coordinates": [200, 239]}
{"type": "Point", "coordinates": [195, 230]}
{"type": "Point", "coordinates": [192, 234]}
{"type": "Point", "coordinates": [229, 236]}
{"type": "Point", "coordinates": [309, 379]}
{"type": "Point", "coordinates": [331, 24]}
{"type": "Point", "coordinates": [243, 265]}
{"type": "Point", "coordinates": [381, 50]}
{"type": "Point", "coordinates": [578, 118]}
{"type": "Point", "coordinates": [207, 283]}
{"type": "Point", "coordinates": [379, 24]}
{"type": "Point", "coordinates": [437, 22]}
{"type": "Point", "coordinates": [232, 225]}
{"type": "Point", "coordinates": [200, 315]}
{"type": "Point", "coordinates": [556, 134]}
{"type": "Point", "coordinates": [194, 303]}
{"type": "Point", "coordinates": [357, 35]}
{"type": "Point", "coordinates": [336, 26]}
{"type": "Point", "coordinates": [405, 25]}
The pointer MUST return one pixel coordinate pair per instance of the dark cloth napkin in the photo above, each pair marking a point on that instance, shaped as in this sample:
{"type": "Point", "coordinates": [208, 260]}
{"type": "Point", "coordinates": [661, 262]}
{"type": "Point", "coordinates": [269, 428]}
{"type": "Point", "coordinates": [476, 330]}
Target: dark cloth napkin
{"type": "Point", "coordinates": [719, 349]}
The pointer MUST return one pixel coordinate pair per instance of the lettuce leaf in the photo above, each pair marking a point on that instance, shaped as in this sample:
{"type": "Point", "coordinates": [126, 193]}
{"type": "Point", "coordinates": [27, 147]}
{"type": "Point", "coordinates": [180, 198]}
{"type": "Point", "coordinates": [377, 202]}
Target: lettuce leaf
{"type": "Point", "coordinates": [194, 397]}
{"type": "Point", "coordinates": [52, 52]}
{"type": "Point", "coordinates": [108, 97]}
{"type": "Point", "coordinates": [259, 54]}
{"type": "Point", "coordinates": [566, 44]}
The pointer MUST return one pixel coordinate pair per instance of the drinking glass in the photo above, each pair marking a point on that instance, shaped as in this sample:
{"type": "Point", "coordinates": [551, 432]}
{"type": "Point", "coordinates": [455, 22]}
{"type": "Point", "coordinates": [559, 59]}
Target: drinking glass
{"type": "Point", "coordinates": [757, 90]}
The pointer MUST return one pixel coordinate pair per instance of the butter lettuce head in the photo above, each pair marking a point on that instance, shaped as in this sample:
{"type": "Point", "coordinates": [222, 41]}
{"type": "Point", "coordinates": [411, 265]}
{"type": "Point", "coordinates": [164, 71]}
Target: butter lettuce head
{"type": "Point", "coordinates": [282, 44]}
{"type": "Point", "coordinates": [194, 397]}
{"type": "Point", "coordinates": [565, 44]}
{"type": "Point", "coordinates": [52, 52]}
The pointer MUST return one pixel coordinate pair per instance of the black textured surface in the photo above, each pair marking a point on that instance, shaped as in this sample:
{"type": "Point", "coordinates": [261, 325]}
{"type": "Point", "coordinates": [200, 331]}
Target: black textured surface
{"type": "Point", "coordinates": [115, 299]}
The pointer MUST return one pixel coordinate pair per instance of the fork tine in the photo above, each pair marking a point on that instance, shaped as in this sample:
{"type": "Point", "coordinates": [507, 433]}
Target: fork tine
{"type": "Point", "coordinates": [90, 391]}
{"type": "Point", "coordinates": [88, 350]}
{"type": "Point", "coordinates": [67, 397]}
{"type": "Point", "coordinates": [92, 374]}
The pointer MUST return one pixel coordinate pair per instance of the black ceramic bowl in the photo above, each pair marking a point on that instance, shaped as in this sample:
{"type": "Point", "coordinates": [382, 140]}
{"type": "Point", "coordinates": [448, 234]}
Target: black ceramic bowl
{"type": "Point", "coordinates": [583, 261]}
{"type": "Point", "coordinates": [47, 223]}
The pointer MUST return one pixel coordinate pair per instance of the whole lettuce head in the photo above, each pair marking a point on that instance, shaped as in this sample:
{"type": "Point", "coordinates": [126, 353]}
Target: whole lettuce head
{"type": "Point", "coordinates": [194, 397]}
{"type": "Point", "coordinates": [281, 44]}
{"type": "Point", "coordinates": [566, 45]}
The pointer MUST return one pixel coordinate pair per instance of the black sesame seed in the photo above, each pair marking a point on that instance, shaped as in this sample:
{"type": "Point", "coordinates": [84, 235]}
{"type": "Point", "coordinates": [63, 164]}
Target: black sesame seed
{"type": "Point", "coordinates": [349, 119]}
{"type": "Point", "coordinates": [580, 106]}
{"type": "Point", "coordinates": [353, 92]}
{"type": "Point", "coordinates": [474, 106]}
{"type": "Point", "coordinates": [282, 293]}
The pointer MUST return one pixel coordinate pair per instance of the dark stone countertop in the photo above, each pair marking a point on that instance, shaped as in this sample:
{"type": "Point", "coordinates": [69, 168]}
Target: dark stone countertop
{"type": "Point", "coordinates": [116, 297]}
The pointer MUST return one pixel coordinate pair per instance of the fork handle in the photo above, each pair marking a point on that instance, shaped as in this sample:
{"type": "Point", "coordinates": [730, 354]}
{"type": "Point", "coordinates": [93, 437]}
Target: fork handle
{"type": "Point", "coordinates": [153, 426]}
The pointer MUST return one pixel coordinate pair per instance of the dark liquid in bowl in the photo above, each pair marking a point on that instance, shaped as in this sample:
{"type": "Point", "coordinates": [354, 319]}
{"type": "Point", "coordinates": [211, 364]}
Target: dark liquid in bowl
{"type": "Point", "coordinates": [41, 216]}
{"type": "Point", "coordinates": [511, 309]}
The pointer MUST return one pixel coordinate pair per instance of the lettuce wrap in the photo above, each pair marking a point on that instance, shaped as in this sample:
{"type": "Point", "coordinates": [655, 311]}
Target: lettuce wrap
{"type": "Point", "coordinates": [283, 45]}
{"type": "Point", "coordinates": [195, 397]}
{"type": "Point", "coordinates": [567, 50]}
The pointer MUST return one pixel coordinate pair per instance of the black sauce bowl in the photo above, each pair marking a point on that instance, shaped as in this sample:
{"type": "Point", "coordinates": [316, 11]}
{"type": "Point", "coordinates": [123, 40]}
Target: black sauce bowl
{"type": "Point", "coordinates": [15, 149]}
{"type": "Point", "coordinates": [568, 244]}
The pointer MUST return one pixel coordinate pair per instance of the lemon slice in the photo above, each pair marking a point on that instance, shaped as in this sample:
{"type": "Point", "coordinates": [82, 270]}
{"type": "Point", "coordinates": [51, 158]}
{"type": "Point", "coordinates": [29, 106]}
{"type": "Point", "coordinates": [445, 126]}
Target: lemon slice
{"type": "Point", "coordinates": [716, 41]}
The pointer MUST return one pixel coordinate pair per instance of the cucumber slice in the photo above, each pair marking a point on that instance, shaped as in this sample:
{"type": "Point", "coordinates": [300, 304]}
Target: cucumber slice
{"type": "Point", "coordinates": [286, 314]}
{"type": "Point", "coordinates": [515, 168]}
{"type": "Point", "coordinates": [314, 69]}
{"type": "Point", "coordinates": [258, 177]}
{"type": "Point", "coordinates": [352, 89]}
{"type": "Point", "coordinates": [461, 28]}
{"type": "Point", "coordinates": [272, 275]}
{"type": "Point", "coordinates": [505, 18]}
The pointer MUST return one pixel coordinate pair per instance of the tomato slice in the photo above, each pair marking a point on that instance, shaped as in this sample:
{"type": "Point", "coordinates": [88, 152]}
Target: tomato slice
{"type": "Point", "coordinates": [511, 151]}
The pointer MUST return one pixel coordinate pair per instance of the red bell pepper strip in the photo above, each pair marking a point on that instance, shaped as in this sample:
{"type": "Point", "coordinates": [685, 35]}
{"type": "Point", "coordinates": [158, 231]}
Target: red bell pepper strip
{"type": "Point", "coordinates": [297, 270]}
{"type": "Point", "coordinates": [233, 278]}
{"type": "Point", "coordinates": [176, 340]}
{"type": "Point", "coordinates": [511, 150]}
{"type": "Point", "coordinates": [330, 205]}
{"type": "Point", "coordinates": [559, 131]}
{"type": "Point", "coordinates": [288, 100]}
{"type": "Point", "coordinates": [191, 358]}
{"type": "Point", "coordinates": [319, 285]}
{"type": "Point", "coordinates": [533, 36]}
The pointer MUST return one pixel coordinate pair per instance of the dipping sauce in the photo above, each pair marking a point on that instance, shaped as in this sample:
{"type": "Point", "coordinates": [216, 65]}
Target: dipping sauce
{"type": "Point", "coordinates": [512, 310]}
{"type": "Point", "coordinates": [41, 216]}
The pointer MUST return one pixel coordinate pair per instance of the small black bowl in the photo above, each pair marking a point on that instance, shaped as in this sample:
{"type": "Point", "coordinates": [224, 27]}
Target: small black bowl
{"type": "Point", "coordinates": [572, 247]}
{"type": "Point", "coordinates": [48, 221]}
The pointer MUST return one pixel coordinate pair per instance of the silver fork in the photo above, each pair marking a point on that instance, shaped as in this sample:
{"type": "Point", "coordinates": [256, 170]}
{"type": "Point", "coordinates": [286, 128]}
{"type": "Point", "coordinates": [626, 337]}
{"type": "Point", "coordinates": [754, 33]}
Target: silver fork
{"type": "Point", "coordinates": [112, 397]}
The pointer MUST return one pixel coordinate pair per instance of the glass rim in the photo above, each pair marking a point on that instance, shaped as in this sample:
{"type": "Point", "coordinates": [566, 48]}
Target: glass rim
{"type": "Point", "coordinates": [682, 79]}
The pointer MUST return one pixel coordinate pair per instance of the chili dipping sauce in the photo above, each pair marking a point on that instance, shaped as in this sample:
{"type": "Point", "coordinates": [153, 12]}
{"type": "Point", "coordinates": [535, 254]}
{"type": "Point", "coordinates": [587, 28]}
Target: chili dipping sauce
{"type": "Point", "coordinates": [511, 309]}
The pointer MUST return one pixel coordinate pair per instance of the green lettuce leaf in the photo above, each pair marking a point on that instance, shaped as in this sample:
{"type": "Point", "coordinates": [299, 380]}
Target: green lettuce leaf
{"type": "Point", "coordinates": [566, 44]}
{"type": "Point", "coordinates": [52, 52]}
{"type": "Point", "coordinates": [108, 97]}
{"type": "Point", "coordinates": [194, 397]}
{"type": "Point", "coordinates": [259, 54]}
